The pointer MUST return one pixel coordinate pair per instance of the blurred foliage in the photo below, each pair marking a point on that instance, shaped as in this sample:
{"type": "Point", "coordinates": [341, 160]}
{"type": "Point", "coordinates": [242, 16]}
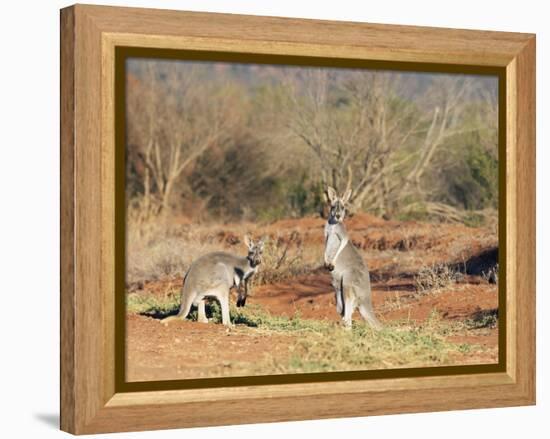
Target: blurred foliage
{"type": "Point", "coordinates": [412, 146]}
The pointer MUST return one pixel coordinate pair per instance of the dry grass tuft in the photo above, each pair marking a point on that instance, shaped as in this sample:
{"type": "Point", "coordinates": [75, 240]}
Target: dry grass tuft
{"type": "Point", "coordinates": [158, 250]}
{"type": "Point", "coordinates": [434, 278]}
{"type": "Point", "coordinates": [285, 257]}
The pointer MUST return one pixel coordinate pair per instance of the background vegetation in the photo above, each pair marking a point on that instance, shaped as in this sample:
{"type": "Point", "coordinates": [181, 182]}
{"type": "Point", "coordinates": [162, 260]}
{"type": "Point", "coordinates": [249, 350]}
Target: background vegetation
{"type": "Point", "coordinates": [230, 142]}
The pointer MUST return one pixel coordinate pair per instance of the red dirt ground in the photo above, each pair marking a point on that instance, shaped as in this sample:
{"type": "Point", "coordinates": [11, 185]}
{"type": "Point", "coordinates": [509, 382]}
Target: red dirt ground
{"type": "Point", "coordinates": [191, 349]}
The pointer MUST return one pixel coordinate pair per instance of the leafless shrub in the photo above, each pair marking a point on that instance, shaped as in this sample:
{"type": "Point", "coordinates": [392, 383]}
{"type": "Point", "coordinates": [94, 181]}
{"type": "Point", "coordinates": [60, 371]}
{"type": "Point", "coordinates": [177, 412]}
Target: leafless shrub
{"type": "Point", "coordinates": [282, 258]}
{"type": "Point", "coordinates": [435, 278]}
{"type": "Point", "coordinates": [171, 125]}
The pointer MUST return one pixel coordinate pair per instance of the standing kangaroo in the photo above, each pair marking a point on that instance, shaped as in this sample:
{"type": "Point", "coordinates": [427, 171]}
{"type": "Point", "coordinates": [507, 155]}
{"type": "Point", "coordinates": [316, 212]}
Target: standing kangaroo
{"type": "Point", "coordinates": [213, 275]}
{"type": "Point", "coordinates": [350, 275]}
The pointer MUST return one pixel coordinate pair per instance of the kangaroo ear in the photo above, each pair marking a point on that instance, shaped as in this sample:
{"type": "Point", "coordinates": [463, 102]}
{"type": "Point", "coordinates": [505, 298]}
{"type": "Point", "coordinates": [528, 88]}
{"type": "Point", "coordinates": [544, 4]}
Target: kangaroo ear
{"type": "Point", "coordinates": [346, 196]}
{"type": "Point", "coordinates": [331, 194]}
{"type": "Point", "coordinates": [262, 241]}
{"type": "Point", "coordinates": [248, 241]}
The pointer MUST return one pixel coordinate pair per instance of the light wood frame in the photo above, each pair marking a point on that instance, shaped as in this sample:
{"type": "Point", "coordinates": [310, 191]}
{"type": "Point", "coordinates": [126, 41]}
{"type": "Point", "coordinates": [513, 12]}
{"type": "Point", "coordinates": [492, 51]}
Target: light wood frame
{"type": "Point", "coordinates": [89, 35]}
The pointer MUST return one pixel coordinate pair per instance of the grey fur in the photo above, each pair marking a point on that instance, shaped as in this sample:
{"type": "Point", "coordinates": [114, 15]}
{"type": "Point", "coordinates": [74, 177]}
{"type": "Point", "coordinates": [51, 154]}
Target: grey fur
{"type": "Point", "coordinates": [213, 275]}
{"type": "Point", "coordinates": [350, 274]}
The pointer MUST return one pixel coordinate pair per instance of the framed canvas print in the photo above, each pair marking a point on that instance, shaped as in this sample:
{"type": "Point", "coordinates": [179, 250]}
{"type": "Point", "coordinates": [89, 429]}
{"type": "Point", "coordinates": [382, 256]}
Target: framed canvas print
{"type": "Point", "coordinates": [268, 219]}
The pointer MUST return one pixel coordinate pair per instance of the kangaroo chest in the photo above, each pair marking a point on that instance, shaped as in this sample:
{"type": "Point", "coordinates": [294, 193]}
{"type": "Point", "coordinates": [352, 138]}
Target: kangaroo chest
{"type": "Point", "coordinates": [241, 274]}
{"type": "Point", "coordinates": [335, 241]}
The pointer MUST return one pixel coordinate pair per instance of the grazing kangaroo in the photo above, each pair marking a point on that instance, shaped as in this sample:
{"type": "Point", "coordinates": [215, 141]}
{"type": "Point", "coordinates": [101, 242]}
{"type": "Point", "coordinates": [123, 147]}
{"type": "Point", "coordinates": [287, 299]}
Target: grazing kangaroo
{"type": "Point", "coordinates": [213, 275]}
{"type": "Point", "coordinates": [350, 275]}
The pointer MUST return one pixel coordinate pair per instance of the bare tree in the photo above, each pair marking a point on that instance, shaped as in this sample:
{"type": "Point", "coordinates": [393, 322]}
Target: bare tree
{"type": "Point", "coordinates": [457, 153]}
{"type": "Point", "coordinates": [368, 137]}
{"type": "Point", "coordinates": [171, 123]}
{"type": "Point", "coordinates": [445, 104]}
{"type": "Point", "coordinates": [355, 127]}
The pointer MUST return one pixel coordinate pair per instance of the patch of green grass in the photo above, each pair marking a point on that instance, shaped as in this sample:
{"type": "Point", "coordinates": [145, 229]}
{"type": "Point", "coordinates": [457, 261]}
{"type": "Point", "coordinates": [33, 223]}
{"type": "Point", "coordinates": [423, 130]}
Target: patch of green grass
{"type": "Point", "coordinates": [255, 316]}
{"type": "Point", "coordinates": [160, 307]}
{"type": "Point", "coordinates": [323, 346]}
{"type": "Point", "coordinates": [153, 306]}
{"type": "Point", "coordinates": [464, 348]}
{"type": "Point", "coordinates": [364, 348]}
{"type": "Point", "coordinates": [326, 346]}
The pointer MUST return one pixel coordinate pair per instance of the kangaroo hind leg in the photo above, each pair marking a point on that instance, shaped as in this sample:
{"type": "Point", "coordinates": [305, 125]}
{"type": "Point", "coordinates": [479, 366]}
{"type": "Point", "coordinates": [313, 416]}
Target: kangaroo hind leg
{"type": "Point", "coordinates": [350, 302]}
{"type": "Point", "coordinates": [339, 302]}
{"type": "Point", "coordinates": [202, 312]}
{"type": "Point", "coordinates": [221, 293]}
{"type": "Point", "coordinates": [223, 297]}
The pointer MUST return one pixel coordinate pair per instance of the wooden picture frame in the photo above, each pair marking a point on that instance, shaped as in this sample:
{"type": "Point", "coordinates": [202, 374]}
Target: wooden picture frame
{"type": "Point", "coordinates": [91, 398]}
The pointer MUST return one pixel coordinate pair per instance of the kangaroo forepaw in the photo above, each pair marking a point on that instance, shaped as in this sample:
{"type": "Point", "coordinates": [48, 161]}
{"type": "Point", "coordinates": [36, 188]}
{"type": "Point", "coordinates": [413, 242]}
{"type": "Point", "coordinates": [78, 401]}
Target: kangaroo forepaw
{"type": "Point", "coordinates": [329, 267]}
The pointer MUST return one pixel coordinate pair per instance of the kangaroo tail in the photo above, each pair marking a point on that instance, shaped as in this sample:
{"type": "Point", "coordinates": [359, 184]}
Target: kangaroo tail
{"type": "Point", "coordinates": [185, 306]}
{"type": "Point", "coordinates": [368, 315]}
